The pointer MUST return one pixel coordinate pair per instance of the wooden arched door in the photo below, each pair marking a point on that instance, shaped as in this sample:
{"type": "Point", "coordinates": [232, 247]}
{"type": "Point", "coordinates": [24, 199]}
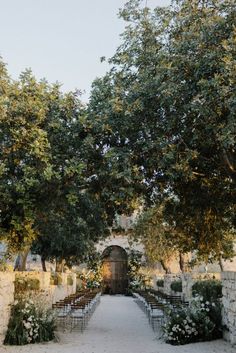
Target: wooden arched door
{"type": "Point", "coordinates": [114, 269]}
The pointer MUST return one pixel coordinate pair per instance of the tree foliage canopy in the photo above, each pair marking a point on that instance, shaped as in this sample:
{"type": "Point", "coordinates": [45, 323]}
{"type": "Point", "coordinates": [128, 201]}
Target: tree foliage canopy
{"type": "Point", "coordinates": [44, 172]}
{"type": "Point", "coordinates": [167, 108]}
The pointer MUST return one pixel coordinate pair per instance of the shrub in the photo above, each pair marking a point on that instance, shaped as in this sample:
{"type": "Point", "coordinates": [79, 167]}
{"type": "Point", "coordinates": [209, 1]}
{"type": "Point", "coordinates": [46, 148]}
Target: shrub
{"type": "Point", "coordinates": [29, 323]}
{"type": "Point", "coordinates": [23, 284]}
{"type": "Point", "coordinates": [70, 281]}
{"type": "Point", "coordinates": [176, 286]}
{"type": "Point", "coordinates": [201, 322]}
{"type": "Point", "coordinates": [180, 328]}
{"type": "Point", "coordinates": [160, 282]}
{"type": "Point", "coordinates": [210, 290]}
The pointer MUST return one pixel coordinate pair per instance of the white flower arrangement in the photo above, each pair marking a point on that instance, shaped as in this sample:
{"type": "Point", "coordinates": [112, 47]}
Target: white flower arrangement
{"type": "Point", "coordinates": [197, 323]}
{"type": "Point", "coordinates": [29, 323]}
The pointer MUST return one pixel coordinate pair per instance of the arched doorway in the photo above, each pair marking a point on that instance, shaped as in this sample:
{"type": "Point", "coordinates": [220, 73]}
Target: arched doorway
{"type": "Point", "coordinates": [114, 270]}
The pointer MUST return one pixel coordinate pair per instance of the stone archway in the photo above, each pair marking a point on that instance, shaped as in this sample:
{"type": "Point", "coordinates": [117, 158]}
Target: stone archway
{"type": "Point", "coordinates": [114, 270]}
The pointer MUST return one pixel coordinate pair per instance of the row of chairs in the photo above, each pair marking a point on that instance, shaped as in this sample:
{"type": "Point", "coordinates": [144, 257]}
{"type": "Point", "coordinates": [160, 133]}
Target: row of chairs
{"type": "Point", "coordinates": [154, 303]}
{"type": "Point", "coordinates": [152, 308]}
{"type": "Point", "coordinates": [174, 301]}
{"type": "Point", "coordinates": [74, 311]}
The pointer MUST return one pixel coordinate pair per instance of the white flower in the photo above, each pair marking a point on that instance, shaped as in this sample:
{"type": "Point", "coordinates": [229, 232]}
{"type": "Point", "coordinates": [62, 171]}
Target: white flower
{"type": "Point", "coordinates": [27, 325]}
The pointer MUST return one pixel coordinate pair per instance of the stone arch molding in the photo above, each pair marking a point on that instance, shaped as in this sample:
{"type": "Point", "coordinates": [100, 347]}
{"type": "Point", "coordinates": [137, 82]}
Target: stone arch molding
{"type": "Point", "coordinates": [118, 240]}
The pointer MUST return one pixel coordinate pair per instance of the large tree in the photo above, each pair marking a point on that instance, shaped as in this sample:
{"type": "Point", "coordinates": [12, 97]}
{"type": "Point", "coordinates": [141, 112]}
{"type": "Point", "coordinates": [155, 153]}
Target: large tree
{"type": "Point", "coordinates": [167, 108]}
{"type": "Point", "coordinates": [45, 175]}
{"type": "Point", "coordinates": [24, 157]}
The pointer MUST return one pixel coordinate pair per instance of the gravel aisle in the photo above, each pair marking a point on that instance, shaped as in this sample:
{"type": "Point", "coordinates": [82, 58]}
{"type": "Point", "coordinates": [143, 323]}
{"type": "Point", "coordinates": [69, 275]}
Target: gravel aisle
{"type": "Point", "coordinates": [118, 326]}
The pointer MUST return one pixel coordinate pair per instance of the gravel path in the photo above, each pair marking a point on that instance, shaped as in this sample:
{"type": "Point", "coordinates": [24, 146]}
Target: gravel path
{"type": "Point", "coordinates": [118, 326]}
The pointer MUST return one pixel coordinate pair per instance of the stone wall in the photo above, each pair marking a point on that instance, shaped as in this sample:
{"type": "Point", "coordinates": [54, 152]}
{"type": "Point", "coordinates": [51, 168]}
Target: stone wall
{"type": "Point", "coordinates": [57, 293]}
{"type": "Point", "coordinates": [187, 283]}
{"type": "Point", "coordinates": [48, 292]}
{"type": "Point", "coordinates": [6, 298]}
{"type": "Point", "coordinates": [189, 278]}
{"type": "Point", "coordinates": [168, 279]}
{"type": "Point", "coordinates": [229, 305]}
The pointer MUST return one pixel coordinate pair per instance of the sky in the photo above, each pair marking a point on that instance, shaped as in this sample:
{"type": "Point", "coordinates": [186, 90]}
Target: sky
{"type": "Point", "coordinates": [61, 40]}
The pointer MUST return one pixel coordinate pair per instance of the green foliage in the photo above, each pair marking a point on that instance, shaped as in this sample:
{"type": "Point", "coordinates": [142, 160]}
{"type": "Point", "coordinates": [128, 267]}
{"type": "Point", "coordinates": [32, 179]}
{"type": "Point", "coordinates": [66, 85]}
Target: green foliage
{"type": "Point", "coordinates": [23, 284]}
{"type": "Point", "coordinates": [29, 323]}
{"type": "Point", "coordinates": [70, 281]}
{"type": "Point", "coordinates": [137, 279]}
{"type": "Point", "coordinates": [92, 277]}
{"type": "Point", "coordinates": [176, 286]}
{"type": "Point", "coordinates": [45, 172]}
{"type": "Point", "coordinates": [160, 283]}
{"type": "Point", "coordinates": [134, 265]}
{"type": "Point", "coordinates": [209, 290]}
{"type": "Point", "coordinates": [200, 322]}
{"type": "Point", "coordinates": [164, 118]}
{"type": "Point", "coordinates": [24, 156]}
{"type": "Point", "coordinates": [160, 239]}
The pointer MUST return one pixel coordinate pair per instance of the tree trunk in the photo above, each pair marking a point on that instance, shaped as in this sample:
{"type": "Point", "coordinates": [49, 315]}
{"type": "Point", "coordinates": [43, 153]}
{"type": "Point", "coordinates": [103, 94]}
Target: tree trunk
{"type": "Point", "coordinates": [20, 263]}
{"type": "Point", "coordinates": [60, 265]}
{"type": "Point", "coordinates": [221, 264]}
{"type": "Point", "coordinates": [183, 264]}
{"type": "Point", "coordinates": [165, 267]}
{"type": "Point", "coordinates": [43, 262]}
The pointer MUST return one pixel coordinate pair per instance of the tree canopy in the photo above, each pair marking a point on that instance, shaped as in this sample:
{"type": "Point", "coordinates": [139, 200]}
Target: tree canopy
{"type": "Point", "coordinates": [45, 196]}
{"type": "Point", "coordinates": [167, 108]}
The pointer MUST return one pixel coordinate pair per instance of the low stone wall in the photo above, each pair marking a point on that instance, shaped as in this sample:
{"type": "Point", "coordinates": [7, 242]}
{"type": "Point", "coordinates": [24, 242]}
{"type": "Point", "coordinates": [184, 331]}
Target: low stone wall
{"type": "Point", "coordinates": [168, 279]}
{"type": "Point", "coordinates": [229, 306]}
{"type": "Point", "coordinates": [189, 278]}
{"type": "Point", "coordinates": [57, 293]}
{"type": "Point", "coordinates": [6, 298]}
{"type": "Point", "coordinates": [49, 293]}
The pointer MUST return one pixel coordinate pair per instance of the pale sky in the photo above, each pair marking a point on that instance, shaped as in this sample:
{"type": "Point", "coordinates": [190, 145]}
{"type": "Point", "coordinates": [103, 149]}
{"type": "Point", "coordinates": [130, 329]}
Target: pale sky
{"type": "Point", "coordinates": [61, 40]}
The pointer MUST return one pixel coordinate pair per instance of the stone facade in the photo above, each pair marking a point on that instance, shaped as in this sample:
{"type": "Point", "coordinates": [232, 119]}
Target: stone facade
{"type": "Point", "coordinates": [229, 306]}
